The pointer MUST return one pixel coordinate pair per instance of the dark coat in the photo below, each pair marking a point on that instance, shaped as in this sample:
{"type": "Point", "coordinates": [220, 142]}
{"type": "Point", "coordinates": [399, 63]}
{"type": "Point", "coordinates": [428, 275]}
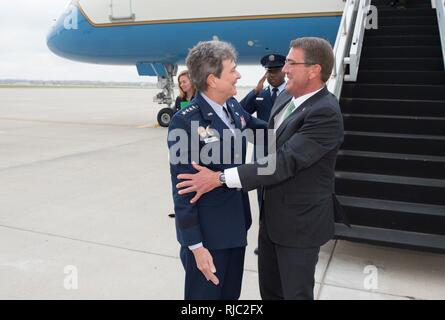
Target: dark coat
{"type": "Point", "coordinates": [298, 198]}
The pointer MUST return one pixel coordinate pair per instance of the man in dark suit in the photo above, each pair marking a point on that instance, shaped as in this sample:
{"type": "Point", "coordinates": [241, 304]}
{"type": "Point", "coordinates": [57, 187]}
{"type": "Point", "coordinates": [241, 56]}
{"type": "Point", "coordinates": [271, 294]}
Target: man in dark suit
{"type": "Point", "coordinates": [212, 233]}
{"type": "Point", "coordinates": [297, 215]}
{"type": "Point", "coordinates": [261, 100]}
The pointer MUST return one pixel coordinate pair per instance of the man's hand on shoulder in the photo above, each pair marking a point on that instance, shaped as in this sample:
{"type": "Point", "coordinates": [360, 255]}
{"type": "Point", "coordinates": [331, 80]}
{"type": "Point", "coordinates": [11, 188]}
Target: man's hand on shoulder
{"type": "Point", "coordinates": [204, 262]}
{"type": "Point", "coordinates": [205, 180]}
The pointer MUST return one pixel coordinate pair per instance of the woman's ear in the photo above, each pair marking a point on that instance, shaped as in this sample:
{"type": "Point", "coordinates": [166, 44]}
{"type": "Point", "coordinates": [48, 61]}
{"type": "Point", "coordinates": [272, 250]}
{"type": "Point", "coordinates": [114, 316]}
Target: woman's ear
{"type": "Point", "coordinates": [211, 81]}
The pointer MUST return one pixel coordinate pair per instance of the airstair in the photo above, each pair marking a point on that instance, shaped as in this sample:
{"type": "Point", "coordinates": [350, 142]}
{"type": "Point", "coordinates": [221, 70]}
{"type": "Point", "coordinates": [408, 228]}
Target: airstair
{"type": "Point", "coordinates": [390, 172]}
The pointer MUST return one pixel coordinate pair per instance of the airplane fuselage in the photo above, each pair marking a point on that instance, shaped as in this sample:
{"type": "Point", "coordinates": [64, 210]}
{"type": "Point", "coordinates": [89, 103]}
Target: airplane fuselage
{"type": "Point", "coordinates": [128, 32]}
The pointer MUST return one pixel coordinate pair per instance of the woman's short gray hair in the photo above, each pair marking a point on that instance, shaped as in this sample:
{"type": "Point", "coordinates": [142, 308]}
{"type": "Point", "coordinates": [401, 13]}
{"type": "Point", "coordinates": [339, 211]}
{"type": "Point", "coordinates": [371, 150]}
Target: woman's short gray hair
{"type": "Point", "coordinates": [316, 51]}
{"type": "Point", "coordinates": [206, 58]}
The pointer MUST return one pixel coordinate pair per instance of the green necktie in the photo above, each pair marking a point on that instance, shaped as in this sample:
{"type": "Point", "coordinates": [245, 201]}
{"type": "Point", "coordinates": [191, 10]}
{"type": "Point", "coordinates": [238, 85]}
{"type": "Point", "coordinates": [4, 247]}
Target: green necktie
{"type": "Point", "coordinates": [290, 108]}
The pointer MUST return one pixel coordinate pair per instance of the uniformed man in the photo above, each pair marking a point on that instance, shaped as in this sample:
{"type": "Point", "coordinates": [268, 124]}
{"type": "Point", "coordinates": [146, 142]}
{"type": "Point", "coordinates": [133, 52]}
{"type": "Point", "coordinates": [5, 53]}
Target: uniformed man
{"type": "Point", "coordinates": [213, 232]}
{"type": "Point", "coordinates": [261, 100]}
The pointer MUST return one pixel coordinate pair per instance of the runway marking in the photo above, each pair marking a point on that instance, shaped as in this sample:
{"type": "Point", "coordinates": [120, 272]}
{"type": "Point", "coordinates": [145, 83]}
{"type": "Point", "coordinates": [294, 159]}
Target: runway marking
{"type": "Point", "coordinates": [100, 244]}
{"type": "Point", "coordinates": [72, 155]}
{"type": "Point", "coordinates": [87, 241]}
{"type": "Point", "coordinates": [69, 122]}
{"type": "Point", "coordinates": [143, 126]}
{"type": "Point", "coordinates": [83, 123]}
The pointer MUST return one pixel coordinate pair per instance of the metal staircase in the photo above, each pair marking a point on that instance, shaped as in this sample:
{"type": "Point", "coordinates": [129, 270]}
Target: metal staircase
{"type": "Point", "coordinates": [390, 173]}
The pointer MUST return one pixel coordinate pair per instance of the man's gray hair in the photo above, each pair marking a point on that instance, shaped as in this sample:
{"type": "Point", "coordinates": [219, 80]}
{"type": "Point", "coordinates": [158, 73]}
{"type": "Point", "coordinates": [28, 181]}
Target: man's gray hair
{"type": "Point", "coordinates": [316, 51]}
{"type": "Point", "coordinates": [206, 58]}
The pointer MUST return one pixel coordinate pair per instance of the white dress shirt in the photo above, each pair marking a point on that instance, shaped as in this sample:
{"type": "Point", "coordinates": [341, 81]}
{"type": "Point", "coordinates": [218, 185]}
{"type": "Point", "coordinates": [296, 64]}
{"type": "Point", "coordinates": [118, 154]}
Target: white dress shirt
{"type": "Point", "coordinates": [220, 112]}
{"type": "Point", "coordinates": [279, 118]}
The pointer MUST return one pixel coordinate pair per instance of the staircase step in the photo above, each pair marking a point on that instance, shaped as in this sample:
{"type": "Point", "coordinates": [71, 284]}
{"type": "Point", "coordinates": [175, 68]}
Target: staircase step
{"type": "Point", "coordinates": [402, 52]}
{"type": "Point", "coordinates": [410, 4]}
{"type": "Point", "coordinates": [394, 124]}
{"type": "Point", "coordinates": [393, 91]}
{"type": "Point", "coordinates": [401, 40]}
{"type": "Point", "coordinates": [397, 215]}
{"type": "Point", "coordinates": [409, 12]}
{"type": "Point", "coordinates": [394, 143]}
{"type": "Point", "coordinates": [402, 64]}
{"type": "Point", "coordinates": [389, 237]}
{"type": "Point", "coordinates": [404, 20]}
{"type": "Point", "coordinates": [421, 108]}
{"type": "Point", "coordinates": [429, 30]}
{"type": "Point", "coordinates": [401, 77]}
{"type": "Point", "coordinates": [390, 187]}
{"type": "Point", "coordinates": [390, 170]}
{"type": "Point", "coordinates": [391, 164]}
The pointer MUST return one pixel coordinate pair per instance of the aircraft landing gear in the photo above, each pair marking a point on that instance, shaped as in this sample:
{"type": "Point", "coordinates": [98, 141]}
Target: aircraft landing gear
{"type": "Point", "coordinates": [166, 96]}
{"type": "Point", "coordinates": [164, 116]}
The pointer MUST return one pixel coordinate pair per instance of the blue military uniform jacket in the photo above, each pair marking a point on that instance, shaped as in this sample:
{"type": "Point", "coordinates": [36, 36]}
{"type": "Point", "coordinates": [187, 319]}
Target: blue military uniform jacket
{"type": "Point", "coordinates": [261, 103]}
{"type": "Point", "coordinates": [220, 219]}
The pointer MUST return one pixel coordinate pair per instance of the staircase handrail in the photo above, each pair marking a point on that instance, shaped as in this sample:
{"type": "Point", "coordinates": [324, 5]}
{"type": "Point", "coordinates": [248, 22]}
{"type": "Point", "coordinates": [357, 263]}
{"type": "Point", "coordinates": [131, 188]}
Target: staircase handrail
{"type": "Point", "coordinates": [342, 45]}
{"type": "Point", "coordinates": [357, 41]}
{"type": "Point", "coordinates": [440, 10]}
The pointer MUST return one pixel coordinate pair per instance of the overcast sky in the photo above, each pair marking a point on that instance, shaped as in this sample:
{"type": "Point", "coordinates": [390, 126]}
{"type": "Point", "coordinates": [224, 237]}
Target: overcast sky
{"type": "Point", "coordinates": [24, 25]}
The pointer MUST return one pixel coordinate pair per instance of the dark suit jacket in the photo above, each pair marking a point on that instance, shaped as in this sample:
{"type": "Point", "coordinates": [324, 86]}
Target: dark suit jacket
{"type": "Point", "coordinates": [283, 98]}
{"type": "Point", "coordinates": [221, 218]}
{"type": "Point", "coordinates": [298, 204]}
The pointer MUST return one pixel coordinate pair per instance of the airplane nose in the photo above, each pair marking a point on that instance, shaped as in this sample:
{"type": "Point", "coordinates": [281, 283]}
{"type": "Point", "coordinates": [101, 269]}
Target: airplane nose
{"type": "Point", "coordinates": [52, 40]}
{"type": "Point", "coordinates": [63, 37]}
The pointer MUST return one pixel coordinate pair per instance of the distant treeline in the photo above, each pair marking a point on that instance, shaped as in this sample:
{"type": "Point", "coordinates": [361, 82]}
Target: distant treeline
{"type": "Point", "coordinates": [70, 83]}
{"type": "Point", "coordinates": [81, 83]}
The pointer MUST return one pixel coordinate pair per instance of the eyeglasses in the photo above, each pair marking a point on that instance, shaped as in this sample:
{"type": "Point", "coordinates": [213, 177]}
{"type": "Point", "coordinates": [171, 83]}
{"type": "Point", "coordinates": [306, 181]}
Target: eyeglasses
{"type": "Point", "coordinates": [293, 63]}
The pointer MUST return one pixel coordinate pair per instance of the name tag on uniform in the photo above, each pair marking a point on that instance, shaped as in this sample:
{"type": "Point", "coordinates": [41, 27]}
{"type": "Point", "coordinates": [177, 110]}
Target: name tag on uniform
{"type": "Point", "coordinates": [259, 98]}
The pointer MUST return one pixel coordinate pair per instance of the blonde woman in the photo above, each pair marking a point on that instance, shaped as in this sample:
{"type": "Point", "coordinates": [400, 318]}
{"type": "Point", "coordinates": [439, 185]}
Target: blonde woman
{"type": "Point", "coordinates": [186, 90]}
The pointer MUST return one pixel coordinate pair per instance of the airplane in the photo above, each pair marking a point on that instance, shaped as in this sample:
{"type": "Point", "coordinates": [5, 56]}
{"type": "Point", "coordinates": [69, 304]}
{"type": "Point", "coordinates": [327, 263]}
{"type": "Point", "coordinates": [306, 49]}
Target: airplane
{"type": "Point", "coordinates": [156, 36]}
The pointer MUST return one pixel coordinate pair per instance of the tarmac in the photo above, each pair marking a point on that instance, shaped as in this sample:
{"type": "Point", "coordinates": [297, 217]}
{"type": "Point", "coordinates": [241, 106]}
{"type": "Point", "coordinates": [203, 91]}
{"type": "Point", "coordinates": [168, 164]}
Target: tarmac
{"type": "Point", "coordinates": [85, 195]}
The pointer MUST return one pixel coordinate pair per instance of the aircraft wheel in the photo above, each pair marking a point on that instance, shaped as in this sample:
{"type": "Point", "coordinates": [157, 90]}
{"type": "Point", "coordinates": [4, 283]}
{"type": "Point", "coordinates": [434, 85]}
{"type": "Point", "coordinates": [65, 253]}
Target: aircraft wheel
{"type": "Point", "coordinates": [164, 117]}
